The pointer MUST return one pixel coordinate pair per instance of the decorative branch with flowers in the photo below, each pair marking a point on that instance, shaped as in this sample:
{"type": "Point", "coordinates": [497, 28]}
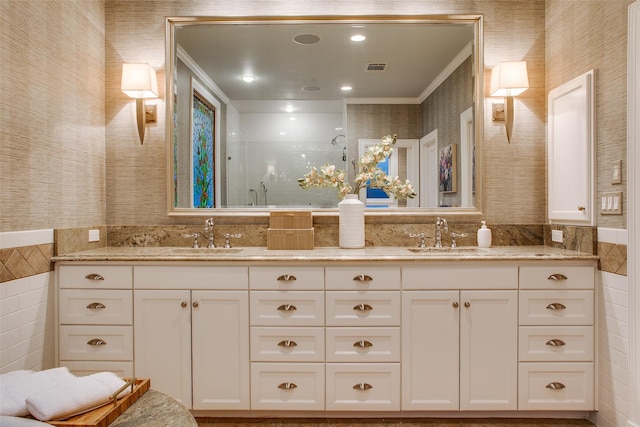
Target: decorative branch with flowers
{"type": "Point", "coordinates": [369, 174]}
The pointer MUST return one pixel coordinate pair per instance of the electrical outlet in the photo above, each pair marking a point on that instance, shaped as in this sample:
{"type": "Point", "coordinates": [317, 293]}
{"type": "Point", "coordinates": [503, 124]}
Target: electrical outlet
{"type": "Point", "coordinates": [557, 236]}
{"type": "Point", "coordinates": [94, 235]}
{"type": "Point", "coordinates": [611, 203]}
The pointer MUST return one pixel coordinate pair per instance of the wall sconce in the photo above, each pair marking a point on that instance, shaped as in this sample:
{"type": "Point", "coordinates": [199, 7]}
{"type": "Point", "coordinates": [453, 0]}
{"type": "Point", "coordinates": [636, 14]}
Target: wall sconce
{"type": "Point", "coordinates": [139, 81]}
{"type": "Point", "coordinates": [508, 79]}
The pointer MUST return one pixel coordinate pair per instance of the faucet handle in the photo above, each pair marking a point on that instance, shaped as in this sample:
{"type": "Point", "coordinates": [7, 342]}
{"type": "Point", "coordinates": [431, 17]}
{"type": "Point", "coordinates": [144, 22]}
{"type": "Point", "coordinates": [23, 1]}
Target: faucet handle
{"type": "Point", "coordinates": [195, 238]}
{"type": "Point", "coordinates": [420, 236]}
{"type": "Point", "coordinates": [453, 238]}
{"type": "Point", "coordinates": [208, 225]}
{"type": "Point", "coordinates": [228, 237]}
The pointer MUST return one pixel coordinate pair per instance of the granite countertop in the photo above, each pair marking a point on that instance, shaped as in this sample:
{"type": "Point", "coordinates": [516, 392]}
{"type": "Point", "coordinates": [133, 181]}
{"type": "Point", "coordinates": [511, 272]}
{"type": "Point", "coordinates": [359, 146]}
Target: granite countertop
{"type": "Point", "coordinates": [323, 254]}
{"type": "Point", "coordinates": [155, 409]}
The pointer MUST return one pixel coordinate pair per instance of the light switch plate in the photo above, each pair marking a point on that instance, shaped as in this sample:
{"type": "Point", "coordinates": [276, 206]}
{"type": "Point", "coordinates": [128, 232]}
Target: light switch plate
{"type": "Point", "coordinates": [616, 172]}
{"type": "Point", "coordinates": [557, 236]}
{"type": "Point", "coordinates": [611, 203]}
{"type": "Point", "coordinates": [94, 235]}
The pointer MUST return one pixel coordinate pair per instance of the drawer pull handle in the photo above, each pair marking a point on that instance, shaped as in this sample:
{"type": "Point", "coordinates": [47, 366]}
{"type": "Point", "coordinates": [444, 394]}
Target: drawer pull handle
{"type": "Point", "coordinates": [455, 304]}
{"type": "Point", "coordinates": [556, 306]}
{"type": "Point", "coordinates": [557, 277]}
{"type": "Point", "coordinates": [362, 386]}
{"type": "Point", "coordinates": [363, 278]}
{"type": "Point", "coordinates": [555, 386]}
{"type": "Point", "coordinates": [96, 306]}
{"type": "Point", "coordinates": [363, 307]}
{"type": "Point", "coordinates": [195, 304]}
{"type": "Point", "coordinates": [287, 386]}
{"type": "Point", "coordinates": [183, 304]}
{"type": "Point", "coordinates": [287, 278]}
{"type": "Point", "coordinates": [555, 343]}
{"type": "Point", "coordinates": [287, 344]}
{"type": "Point", "coordinates": [96, 342]}
{"type": "Point", "coordinates": [94, 276]}
{"type": "Point", "coordinates": [287, 307]}
{"type": "Point", "coordinates": [363, 344]}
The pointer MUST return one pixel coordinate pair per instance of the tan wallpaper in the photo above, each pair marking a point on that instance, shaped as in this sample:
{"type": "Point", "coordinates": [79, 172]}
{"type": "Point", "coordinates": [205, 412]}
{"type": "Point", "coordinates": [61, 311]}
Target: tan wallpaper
{"type": "Point", "coordinates": [52, 144]}
{"type": "Point", "coordinates": [592, 34]}
{"type": "Point", "coordinates": [136, 183]}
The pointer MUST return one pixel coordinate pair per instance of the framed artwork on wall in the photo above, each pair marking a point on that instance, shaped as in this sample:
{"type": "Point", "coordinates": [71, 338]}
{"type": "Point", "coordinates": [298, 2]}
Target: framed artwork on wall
{"type": "Point", "coordinates": [447, 169]}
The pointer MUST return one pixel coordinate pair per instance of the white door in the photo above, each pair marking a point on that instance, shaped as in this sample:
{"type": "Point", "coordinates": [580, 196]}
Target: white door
{"type": "Point", "coordinates": [429, 170]}
{"type": "Point", "coordinates": [430, 348]}
{"type": "Point", "coordinates": [488, 350]}
{"type": "Point", "coordinates": [162, 328]}
{"type": "Point", "coordinates": [220, 346]}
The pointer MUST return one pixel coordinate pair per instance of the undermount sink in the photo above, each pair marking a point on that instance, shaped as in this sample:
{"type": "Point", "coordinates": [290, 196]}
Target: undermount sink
{"type": "Point", "coordinates": [449, 250]}
{"type": "Point", "coordinates": [202, 251]}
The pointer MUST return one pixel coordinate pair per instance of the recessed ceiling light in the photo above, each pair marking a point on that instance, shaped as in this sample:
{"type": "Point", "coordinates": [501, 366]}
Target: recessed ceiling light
{"type": "Point", "coordinates": [358, 38]}
{"type": "Point", "coordinates": [346, 88]}
{"type": "Point", "coordinates": [248, 78]}
{"type": "Point", "coordinates": [306, 39]}
{"type": "Point", "coordinates": [310, 88]}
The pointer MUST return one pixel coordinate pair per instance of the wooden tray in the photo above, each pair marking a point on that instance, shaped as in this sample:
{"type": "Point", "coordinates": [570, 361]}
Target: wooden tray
{"type": "Point", "coordinates": [105, 415]}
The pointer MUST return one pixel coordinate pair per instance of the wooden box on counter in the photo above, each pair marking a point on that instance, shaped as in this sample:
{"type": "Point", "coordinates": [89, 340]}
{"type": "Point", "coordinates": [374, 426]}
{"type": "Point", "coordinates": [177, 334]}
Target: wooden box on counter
{"type": "Point", "coordinates": [290, 230]}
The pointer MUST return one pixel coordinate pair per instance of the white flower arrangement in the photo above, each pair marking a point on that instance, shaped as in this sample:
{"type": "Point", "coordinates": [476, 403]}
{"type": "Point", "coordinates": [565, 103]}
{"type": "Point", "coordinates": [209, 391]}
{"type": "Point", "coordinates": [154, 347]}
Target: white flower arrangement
{"type": "Point", "coordinates": [369, 174]}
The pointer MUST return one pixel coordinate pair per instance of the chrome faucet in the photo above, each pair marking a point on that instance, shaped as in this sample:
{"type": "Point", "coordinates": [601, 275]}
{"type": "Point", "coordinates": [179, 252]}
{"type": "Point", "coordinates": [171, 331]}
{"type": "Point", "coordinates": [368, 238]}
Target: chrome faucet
{"type": "Point", "coordinates": [440, 222]}
{"type": "Point", "coordinates": [208, 229]}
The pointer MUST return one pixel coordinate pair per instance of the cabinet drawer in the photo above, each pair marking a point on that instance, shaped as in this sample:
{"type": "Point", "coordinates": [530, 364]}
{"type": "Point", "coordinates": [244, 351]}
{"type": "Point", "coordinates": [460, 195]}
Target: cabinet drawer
{"type": "Point", "coordinates": [272, 308]}
{"type": "Point", "coordinates": [556, 307]}
{"type": "Point", "coordinates": [557, 276]}
{"type": "Point", "coordinates": [95, 276]}
{"type": "Point", "coordinates": [362, 278]}
{"type": "Point", "coordinates": [85, 367]}
{"type": "Point", "coordinates": [287, 344]}
{"type": "Point", "coordinates": [452, 276]}
{"type": "Point", "coordinates": [353, 308]}
{"type": "Point", "coordinates": [363, 344]}
{"type": "Point", "coordinates": [556, 386]}
{"type": "Point", "coordinates": [556, 344]}
{"type": "Point", "coordinates": [96, 342]}
{"type": "Point", "coordinates": [92, 307]}
{"type": "Point", "coordinates": [286, 278]}
{"type": "Point", "coordinates": [190, 277]}
{"type": "Point", "coordinates": [370, 387]}
{"type": "Point", "coordinates": [287, 386]}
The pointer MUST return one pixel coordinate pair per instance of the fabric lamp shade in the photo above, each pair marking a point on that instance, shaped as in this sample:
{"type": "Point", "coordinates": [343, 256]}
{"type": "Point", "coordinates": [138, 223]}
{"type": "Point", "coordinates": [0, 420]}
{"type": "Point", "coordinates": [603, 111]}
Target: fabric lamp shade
{"type": "Point", "coordinates": [139, 81]}
{"type": "Point", "coordinates": [509, 78]}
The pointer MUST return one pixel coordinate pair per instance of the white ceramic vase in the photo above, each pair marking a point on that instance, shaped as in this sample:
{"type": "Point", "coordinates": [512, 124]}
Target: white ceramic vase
{"type": "Point", "coordinates": [351, 211]}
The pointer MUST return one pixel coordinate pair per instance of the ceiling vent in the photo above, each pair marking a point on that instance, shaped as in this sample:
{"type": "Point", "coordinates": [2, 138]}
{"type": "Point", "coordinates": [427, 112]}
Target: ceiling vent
{"type": "Point", "coordinates": [375, 67]}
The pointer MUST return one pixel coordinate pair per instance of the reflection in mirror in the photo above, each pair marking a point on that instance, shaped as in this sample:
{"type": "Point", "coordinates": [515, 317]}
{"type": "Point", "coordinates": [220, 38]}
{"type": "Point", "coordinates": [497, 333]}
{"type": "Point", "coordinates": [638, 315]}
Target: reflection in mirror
{"type": "Point", "coordinates": [257, 103]}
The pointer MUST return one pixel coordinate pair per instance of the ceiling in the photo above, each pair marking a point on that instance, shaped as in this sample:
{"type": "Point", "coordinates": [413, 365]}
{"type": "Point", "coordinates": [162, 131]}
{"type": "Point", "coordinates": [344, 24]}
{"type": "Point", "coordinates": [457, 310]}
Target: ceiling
{"type": "Point", "coordinates": [414, 53]}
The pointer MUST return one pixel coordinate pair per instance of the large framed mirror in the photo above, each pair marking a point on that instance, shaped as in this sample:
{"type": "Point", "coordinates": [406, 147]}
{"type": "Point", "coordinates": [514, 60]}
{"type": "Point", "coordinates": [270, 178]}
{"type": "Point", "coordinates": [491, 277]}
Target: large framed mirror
{"type": "Point", "coordinates": [254, 103]}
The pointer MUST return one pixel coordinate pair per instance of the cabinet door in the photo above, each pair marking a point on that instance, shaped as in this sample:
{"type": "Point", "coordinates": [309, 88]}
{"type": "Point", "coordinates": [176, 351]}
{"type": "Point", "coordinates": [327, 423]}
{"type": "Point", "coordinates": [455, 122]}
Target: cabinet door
{"type": "Point", "coordinates": [430, 348]}
{"type": "Point", "coordinates": [488, 350]}
{"type": "Point", "coordinates": [162, 326]}
{"type": "Point", "coordinates": [220, 346]}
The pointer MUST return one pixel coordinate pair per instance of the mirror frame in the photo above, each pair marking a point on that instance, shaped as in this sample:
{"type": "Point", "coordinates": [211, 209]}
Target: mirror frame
{"type": "Point", "coordinates": [403, 214]}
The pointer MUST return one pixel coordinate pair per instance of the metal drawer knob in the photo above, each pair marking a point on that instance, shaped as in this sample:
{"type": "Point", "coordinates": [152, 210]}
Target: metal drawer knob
{"type": "Point", "coordinates": [287, 307]}
{"type": "Point", "coordinates": [455, 304]}
{"type": "Point", "coordinates": [557, 277]}
{"type": "Point", "coordinates": [555, 343]}
{"type": "Point", "coordinates": [287, 386]}
{"type": "Point", "coordinates": [183, 304]}
{"type": "Point", "coordinates": [363, 278]}
{"type": "Point", "coordinates": [363, 307]}
{"type": "Point", "coordinates": [555, 386]}
{"type": "Point", "coordinates": [287, 344]}
{"type": "Point", "coordinates": [96, 306]}
{"type": "Point", "coordinates": [286, 278]}
{"type": "Point", "coordinates": [362, 386]}
{"type": "Point", "coordinates": [94, 276]}
{"type": "Point", "coordinates": [363, 344]}
{"type": "Point", "coordinates": [96, 342]}
{"type": "Point", "coordinates": [195, 304]}
{"type": "Point", "coordinates": [467, 304]}
{"type": "Point", "coordinates": [556, 306]}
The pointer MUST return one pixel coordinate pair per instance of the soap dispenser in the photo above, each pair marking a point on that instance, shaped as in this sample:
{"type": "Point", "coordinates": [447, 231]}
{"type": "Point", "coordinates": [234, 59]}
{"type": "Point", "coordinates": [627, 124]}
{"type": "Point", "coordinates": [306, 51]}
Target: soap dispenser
{"type": "Point", "coordinates": [484, 236]}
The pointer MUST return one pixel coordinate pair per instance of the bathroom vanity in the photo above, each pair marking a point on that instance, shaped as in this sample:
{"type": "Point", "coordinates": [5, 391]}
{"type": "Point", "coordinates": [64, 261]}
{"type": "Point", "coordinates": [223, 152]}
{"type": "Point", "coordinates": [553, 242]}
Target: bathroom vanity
{"type": "Point", "coordinates": [332, 331]}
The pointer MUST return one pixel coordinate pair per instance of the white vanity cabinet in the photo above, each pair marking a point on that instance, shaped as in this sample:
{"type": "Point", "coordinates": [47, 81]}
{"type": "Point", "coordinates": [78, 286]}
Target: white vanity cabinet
{"type": "Point", "coordinates": [192, 334]}
{"type": "Point", "coordinates": [459, 341]}
{"type": "Point", "coordinates": [95, 316]}
{"type": "Point", "coordinates": [363, 337]}
{"type": "Point", "coordinates": [556, 348]}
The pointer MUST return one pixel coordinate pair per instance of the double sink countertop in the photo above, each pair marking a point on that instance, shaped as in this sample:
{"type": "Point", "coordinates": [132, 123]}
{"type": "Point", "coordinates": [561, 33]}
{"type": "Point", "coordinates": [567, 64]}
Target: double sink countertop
{"type": "Point", "coordinates": [324, 254]}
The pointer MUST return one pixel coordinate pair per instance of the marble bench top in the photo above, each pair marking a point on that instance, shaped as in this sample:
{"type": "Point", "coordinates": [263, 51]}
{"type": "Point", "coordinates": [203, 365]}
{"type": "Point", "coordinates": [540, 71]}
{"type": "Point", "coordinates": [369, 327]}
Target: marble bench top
{"type": "Point", "coordinates": [324, 254]}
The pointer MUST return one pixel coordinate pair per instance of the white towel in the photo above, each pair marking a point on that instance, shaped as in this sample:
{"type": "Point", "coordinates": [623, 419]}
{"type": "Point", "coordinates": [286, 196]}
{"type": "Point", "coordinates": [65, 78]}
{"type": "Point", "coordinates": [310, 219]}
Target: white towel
{"type": "Point", "coordinates": [75, 397]}
{"type": "Point", "coordinates": [16, 386]}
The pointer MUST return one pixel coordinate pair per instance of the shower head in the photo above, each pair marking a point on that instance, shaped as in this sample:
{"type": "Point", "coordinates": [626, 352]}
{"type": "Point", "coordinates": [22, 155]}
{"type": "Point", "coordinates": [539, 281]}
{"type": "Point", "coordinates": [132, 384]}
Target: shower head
{"type": "Point", "coordinates": [334, 141]}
